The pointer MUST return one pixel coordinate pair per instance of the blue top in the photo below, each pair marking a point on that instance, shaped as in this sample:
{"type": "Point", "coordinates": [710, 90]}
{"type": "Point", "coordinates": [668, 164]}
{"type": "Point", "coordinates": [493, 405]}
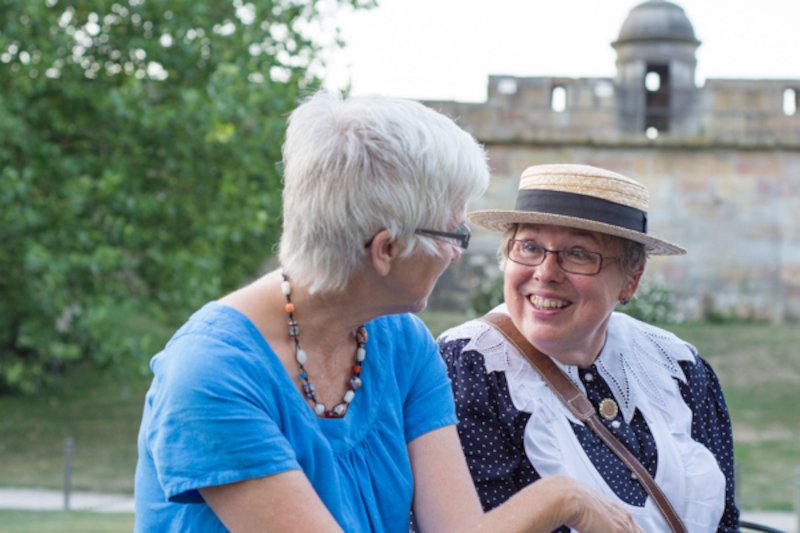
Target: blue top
{"type": "Point", "coordinates": [221, 408]}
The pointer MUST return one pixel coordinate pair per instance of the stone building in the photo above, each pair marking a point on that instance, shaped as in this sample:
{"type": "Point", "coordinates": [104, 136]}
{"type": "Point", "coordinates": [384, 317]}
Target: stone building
{"type": "Point", "coordinates": [721, 161]}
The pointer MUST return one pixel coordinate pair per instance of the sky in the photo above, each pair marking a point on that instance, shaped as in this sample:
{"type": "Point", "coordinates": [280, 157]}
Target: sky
{"type": "Point", "coordinates": [446, 49]}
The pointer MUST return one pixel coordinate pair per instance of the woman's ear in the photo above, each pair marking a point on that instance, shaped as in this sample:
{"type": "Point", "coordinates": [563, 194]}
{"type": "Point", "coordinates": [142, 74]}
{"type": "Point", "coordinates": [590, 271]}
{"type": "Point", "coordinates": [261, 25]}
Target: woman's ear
{"type": "Point", "coordinates": [383, 250]}
{"type": "Point", "coordinates": [629, 289]}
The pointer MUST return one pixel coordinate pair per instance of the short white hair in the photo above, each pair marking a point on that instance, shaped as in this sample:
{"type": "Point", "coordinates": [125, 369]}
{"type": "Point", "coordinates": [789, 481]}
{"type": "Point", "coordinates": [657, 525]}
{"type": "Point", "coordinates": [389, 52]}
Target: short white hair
{"type": "Point", "coordinates": [354, 166]}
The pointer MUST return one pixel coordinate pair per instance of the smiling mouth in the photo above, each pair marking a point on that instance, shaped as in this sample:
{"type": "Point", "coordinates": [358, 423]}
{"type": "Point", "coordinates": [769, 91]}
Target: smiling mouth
{"type": "Point", "coordinates": [547, 303]}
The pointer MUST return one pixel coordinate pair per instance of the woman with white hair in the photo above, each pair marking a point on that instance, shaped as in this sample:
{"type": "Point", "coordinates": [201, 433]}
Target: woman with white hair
{"type": "Point", "coordinates": [311, 400]}
{"type": "Point", "coordinates": [573, 248]}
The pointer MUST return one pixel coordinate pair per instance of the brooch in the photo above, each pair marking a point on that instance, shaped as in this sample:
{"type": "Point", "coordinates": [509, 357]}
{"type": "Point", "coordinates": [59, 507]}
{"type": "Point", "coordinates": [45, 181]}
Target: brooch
{"type": "Point", "coordinates": [608, 409]}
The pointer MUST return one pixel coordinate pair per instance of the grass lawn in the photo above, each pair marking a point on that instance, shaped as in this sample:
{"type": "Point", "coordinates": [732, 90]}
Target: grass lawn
{"type": "Point", "coordinates": [756, 363]}
{"type": "Point", "coordinates": [759, 368]}
{"type": "Point", "coordinates": [101, 415]}
{"type": "Point", "coordinates": [64, 522]}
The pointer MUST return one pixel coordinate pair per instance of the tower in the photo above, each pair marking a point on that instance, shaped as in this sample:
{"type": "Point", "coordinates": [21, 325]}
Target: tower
{"type": "Point", "coordinates": [655, 81]}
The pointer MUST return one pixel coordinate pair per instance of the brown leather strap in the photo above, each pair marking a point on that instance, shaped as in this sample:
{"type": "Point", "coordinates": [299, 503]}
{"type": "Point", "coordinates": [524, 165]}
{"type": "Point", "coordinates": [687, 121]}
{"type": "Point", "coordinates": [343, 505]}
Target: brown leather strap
{"type": "Point", "coordinates": [582, 408]}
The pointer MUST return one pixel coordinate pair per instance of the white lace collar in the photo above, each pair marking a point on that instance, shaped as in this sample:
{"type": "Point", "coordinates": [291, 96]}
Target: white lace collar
{"type": "Point", "coordinates": [638, 361]}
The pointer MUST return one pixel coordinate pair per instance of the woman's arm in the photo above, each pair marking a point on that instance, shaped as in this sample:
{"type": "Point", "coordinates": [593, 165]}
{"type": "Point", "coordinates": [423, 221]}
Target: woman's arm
{"type": "Point", "coordinates": [711, 426]}
{"type": "Point", "coordinates": [281, 502]}
{"type": "Point", "coordinates": [490, 427]}
{"type": "Point", "coordinates": [445, 499]}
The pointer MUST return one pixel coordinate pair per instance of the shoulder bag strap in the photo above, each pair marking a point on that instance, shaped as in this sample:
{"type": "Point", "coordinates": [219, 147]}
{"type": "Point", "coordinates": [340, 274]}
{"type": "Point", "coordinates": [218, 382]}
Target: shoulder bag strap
{"type": "Point", "coordinates": [581, 407]}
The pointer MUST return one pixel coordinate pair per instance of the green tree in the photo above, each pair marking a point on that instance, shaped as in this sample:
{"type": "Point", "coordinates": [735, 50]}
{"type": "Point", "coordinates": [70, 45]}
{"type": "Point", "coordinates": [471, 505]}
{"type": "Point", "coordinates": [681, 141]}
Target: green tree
{"type": "Point", "coordinates": [139, 151]}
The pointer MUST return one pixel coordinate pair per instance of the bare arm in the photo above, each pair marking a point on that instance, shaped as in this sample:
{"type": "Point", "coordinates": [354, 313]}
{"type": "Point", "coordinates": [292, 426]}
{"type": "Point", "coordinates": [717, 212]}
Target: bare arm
{"type": "Point", "coordinates": [445, 498]}
{"type": "Point", "coordinates": [558, 500]}
{"type": "Point", "coordinates": [282, 502]}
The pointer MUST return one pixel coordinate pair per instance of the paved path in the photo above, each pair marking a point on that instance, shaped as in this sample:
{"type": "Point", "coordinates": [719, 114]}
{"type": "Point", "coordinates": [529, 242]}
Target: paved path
{"type": "Point", "coordinates": [53, 500]}
{"type": "Point", "coordinates": [783, 521]}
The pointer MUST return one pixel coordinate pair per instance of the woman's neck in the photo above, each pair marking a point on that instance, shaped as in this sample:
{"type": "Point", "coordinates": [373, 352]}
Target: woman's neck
{"type": "Point", "coordinates": [326, 320]}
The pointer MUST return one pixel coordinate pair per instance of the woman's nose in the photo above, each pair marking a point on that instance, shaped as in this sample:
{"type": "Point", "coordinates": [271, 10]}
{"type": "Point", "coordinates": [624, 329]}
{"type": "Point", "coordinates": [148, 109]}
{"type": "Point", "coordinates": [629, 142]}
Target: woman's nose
{"type": "Point", "coordinates": [549, 270]}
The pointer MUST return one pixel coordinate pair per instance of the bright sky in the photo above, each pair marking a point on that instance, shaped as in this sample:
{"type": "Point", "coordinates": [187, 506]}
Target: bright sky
{"type": "Point", "coordinates": [446, 49]}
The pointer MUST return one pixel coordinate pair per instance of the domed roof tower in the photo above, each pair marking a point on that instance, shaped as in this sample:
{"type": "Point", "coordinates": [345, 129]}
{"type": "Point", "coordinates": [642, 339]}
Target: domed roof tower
{"type": "Point", "coordinates": [655, 81]}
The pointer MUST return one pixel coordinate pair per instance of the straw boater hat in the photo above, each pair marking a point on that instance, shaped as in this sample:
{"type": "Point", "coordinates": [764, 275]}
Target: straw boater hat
{"type": "Point", "coordinates": [583, 197]}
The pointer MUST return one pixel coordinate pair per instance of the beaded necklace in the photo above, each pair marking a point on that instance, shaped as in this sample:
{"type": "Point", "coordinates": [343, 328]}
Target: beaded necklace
{"type": "Point", "coordinates": [354, 383]}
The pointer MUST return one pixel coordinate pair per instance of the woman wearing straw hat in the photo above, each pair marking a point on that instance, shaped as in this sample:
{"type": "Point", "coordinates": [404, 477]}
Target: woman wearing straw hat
{"type": "Point", "coordinates": [573, 249]}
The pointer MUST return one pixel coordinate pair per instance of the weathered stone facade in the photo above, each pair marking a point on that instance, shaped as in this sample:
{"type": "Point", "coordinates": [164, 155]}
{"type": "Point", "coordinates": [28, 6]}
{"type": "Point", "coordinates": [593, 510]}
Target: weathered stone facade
{"type": "Point", "coordinates": [721, 161]}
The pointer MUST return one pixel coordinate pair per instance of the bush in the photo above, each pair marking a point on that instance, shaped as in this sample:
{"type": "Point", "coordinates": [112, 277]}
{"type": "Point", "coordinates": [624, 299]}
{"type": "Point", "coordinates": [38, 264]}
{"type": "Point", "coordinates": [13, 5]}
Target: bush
{"type": "Point", "coordinates": [488, 295]}
{"type": "Point", "coordinates": [652, 303]}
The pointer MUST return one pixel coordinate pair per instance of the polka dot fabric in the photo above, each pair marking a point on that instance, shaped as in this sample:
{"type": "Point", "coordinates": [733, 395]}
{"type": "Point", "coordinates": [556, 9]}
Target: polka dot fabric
{"type": "Point", "coordinates": [711, 427]}
{"type": "Point", "coordinates": [492, 430]}
{"type": "Point", "coordinates": [635, 436]}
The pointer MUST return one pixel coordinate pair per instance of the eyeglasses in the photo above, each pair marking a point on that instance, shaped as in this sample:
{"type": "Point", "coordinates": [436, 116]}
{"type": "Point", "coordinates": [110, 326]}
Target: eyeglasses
{"type": "Point", "coordinates": [574, 260]}
{"type": "Point", "coordinates": [461, 235]}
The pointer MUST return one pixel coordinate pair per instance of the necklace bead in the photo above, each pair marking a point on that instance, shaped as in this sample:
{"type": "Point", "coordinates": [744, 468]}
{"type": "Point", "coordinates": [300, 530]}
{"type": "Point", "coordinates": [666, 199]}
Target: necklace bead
{"type": "Point", "coordinates": [309, 390]}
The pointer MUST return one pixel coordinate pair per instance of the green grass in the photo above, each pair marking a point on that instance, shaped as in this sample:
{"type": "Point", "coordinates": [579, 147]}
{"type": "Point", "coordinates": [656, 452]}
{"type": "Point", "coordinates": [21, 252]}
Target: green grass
{"type": "Point", "coordinates": [756, 363]}
{"type": "Point", "coordinates": [101, 415]}
{"type": "Point", "coordinates": [64, 522]}
{"type": "Point", "coordinates": [759, 369]}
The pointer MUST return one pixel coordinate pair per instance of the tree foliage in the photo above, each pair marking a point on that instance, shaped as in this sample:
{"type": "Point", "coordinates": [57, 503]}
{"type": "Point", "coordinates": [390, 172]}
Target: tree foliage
{"type": "Point", "coordinates": [139, 151]}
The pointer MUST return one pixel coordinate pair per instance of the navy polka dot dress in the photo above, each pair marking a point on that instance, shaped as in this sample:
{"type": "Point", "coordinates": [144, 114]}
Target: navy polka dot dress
{"type": "Point", "coordinates": [492, 429]}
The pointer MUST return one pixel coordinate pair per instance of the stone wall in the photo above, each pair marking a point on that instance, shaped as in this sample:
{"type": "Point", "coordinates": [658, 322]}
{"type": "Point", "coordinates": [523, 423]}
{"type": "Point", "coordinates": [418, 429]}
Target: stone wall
{"type": "Point", "coordinates": [729, 192]}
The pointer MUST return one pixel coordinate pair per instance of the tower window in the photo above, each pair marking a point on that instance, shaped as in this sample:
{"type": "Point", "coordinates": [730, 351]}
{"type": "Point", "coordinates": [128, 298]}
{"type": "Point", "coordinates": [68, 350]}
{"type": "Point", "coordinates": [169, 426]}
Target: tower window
{"type": "Point", "coordinates": [507, 86]}
{"type": "Point", "coordinates": [558, 98]}
{"type": "Point", "coordinates": [658, 100]}
{"type": "Point", "coordinates": [652, 81]}
{"type": "Point", "coordinates": [789, 102]}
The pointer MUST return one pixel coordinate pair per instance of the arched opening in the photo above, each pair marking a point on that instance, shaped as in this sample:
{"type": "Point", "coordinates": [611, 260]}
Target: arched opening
{"type": "Point", "coordinates": [789, 102]}
{"type": "Point", "coordinates": [558, 98]}
{"type": "Point", "coordinates": [657, 97]}
{"type": "Point", "coordinates": [507, 86]}
{"type": "Point", "coordinates": [652, 81]}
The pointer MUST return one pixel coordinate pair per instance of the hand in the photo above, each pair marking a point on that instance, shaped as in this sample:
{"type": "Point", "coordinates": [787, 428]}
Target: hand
{"type": "Point", "coordinates": [554, 501]}
{"type": "Point", "coordinates": [596, 514]}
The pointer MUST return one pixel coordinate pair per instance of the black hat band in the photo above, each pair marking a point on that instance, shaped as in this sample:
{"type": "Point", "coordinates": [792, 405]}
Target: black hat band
{"type": "Point", "coordinates": [582, 206]}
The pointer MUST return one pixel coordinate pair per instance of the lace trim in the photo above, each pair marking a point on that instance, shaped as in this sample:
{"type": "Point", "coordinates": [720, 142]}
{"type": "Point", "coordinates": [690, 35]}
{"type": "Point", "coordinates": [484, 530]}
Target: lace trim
{"type": "Point", "coordinates": [490, 343]}
{"type": "Point", "coordinates": [638, 361]}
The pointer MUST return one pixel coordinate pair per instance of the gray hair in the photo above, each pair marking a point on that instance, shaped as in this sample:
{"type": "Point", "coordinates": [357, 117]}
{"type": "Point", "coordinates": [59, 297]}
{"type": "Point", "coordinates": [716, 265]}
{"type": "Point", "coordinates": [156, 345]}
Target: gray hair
{"type": "Point", "coordinates": [355, 166]}
{"type": "Point", "coordinates": [632, 259]}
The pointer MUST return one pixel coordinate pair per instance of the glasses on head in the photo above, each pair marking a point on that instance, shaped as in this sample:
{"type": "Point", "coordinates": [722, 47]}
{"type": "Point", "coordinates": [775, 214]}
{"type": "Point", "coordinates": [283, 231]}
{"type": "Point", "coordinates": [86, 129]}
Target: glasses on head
{"type": "Point", "coordinates": [574, 260]}
{"type": "Point", "coordinates": [460, 236]}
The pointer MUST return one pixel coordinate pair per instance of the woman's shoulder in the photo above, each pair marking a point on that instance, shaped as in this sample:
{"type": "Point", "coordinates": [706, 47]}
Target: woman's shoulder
{"type": "Point", "coordinates": [402, 329]}
{"type": "Point", "coordinates": [400, 344]}
{"type": "Point", "coordinates": [214, 339]}
{"type": "Point", "coordinates": [476, 342]}
{"type": "Point", "coordinates": [216, 321]}
{"type": "Point", "coordinates": [627, 330]}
